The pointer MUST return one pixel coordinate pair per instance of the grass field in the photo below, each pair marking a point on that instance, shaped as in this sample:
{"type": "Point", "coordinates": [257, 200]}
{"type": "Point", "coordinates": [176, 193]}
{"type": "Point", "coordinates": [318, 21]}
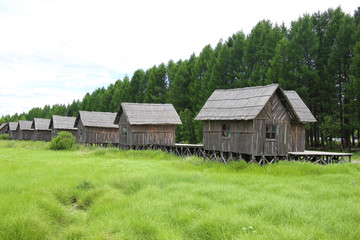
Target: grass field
{"type": "Point", "coordinates": [112, 194]}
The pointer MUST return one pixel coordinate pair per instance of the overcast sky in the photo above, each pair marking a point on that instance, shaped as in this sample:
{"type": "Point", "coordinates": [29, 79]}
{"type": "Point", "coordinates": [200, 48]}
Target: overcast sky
{"type": "Point", "coordinates": [56, 51]}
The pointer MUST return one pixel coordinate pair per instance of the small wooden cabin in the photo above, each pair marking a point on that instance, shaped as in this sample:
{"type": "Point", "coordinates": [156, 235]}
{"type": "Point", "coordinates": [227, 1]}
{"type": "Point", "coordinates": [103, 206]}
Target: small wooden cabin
{"type": "Point", "coordinates": [13, 132]}
{"type": "Point", "coordinates": [4, 128]}
{"type": "Point", "coordinates": [97, 127]}
{"type": "Point", "coordinates": [258, 121]}
{"type": "Point", "coordinates": [62, 123]}
{"type": "Point", "coordinates": [25, 131]}
{"type": "Point", "coordinates": [143, 124]}
{"type": "Point", "coordinates": [41, 129]}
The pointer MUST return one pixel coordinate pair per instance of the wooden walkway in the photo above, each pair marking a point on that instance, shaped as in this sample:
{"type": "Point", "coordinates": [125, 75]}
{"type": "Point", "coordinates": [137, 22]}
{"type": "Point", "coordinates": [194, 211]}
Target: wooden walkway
{"type": "Point", "coordinates": [320, 157]}
{"type": "Point", "coordinates": [187, 150]}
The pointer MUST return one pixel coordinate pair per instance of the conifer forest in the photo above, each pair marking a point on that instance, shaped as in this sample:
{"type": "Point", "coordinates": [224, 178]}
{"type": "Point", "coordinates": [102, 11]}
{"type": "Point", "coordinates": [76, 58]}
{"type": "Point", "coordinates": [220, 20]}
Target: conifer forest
{"type": "Point", "coordinates": [318, 56]}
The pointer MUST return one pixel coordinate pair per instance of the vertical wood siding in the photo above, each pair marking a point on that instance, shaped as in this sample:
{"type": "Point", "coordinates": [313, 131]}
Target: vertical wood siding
{"type": "Point", "coordinates": [26, 134]}
{"type": "Point", "coordinates": [140, 135]}
{"type": "Point", "coordinates": [99, 135]}
{"type": "Point", "coordinates": [124, 139]}
{"type": "Point", "coordinates": [240, 140]}
{"type": "Point", "coordinates": [152, 135]}
{"type": "Point", "coordinates": [42, 135]}
{"type": "Point", "coordinates": [13, 135]}
{"type": "Point", "coordinates": [297, 138]}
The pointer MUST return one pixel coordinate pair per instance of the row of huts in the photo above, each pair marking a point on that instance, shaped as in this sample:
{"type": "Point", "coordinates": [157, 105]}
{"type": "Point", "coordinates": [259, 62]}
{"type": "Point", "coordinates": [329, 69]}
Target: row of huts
{"type": "Point", "coordinates": [134, 124]}
{"type": "Point", "coordinates": [258, 121]}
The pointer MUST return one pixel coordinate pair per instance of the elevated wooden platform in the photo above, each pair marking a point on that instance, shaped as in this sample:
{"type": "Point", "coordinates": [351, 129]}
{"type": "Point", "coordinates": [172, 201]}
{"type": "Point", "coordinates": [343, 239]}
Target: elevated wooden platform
{"type": "Point", "coordinates": [186, 150]}
{"type": "Point", "coordinates": [319, 156]}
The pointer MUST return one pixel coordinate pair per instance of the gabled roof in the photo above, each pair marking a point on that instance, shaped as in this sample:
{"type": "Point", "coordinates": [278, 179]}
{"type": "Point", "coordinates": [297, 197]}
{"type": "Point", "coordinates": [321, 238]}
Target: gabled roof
{"type": "Point", "coordinates": [3, 125]}
{"type": "Point", "coordinates": [96, 119]}
{"type": "Point", "coordinates": [301, 110]}
{"type": "Point", "coordinates": [148, 114]}
{"type": "Point", "coordinates": [24, 125]}
{"type": "Point", "coordinates": [13, 126]}
{"type": "Point", "coordinates": [236, 104]}
{"type": "Point", "coordinates": [62, 122]}
{"type": "Point", "coordinates": [40, 124]}
{"type": "Point", "coordinates": [247, 103]}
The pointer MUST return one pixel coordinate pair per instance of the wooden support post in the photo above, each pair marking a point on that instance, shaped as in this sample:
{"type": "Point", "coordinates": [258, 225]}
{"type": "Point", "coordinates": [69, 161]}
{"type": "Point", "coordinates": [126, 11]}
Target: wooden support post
{"type": "Point", "coordinates": [253, 159]}
{"type": "Point", "coordinates": [177, 151]}
{"type": "Point", "coordinates": [187, 152]}
{"type": "Point", "coordinates": [274, 160]}
{"type": "Point", "coordinates": [222, 157]}
{"type": "Point", "coordinates": [230, 158]}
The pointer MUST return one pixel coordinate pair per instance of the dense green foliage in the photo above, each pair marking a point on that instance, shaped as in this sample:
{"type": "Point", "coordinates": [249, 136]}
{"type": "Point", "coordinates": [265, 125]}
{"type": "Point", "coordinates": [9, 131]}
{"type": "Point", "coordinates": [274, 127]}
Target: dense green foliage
{"type": "Point", "coordinates": [318, 56]}
{"type": "Point", "coordinates": [4, 136]}
{"type": "Point", "coordinates": [64, 141]}
{"type": "Point", "coordinates": [97, 193]}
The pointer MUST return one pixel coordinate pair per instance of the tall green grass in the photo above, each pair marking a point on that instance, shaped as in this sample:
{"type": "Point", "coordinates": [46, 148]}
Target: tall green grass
{"type": "Point", "coordinates": [98, 193]}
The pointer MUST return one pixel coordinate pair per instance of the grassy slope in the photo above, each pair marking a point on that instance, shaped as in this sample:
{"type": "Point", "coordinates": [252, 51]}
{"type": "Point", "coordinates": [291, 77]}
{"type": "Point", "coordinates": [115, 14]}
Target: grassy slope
{"type": "Point", "coordinates": [112, 194]}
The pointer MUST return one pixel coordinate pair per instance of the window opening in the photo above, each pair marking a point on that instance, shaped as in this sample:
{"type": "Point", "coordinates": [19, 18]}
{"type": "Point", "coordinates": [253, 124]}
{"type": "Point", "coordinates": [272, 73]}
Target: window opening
{"type": "Point", "coordinates": [270, 131]}
{"type": "Point", "coordinates": [226, 130]}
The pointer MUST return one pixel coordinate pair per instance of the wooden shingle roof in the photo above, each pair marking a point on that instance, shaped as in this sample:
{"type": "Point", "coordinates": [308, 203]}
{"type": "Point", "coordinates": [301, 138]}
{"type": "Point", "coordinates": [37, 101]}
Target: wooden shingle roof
{"type": "Point", "coordinates": [24, 125]}
{"type": "Point", "coordinates": [236, 104]}
{"type": "Point", "coordinates": [40, 124]}
{"type": "Point", "coordinates": [247, 103]}
{"type": "Point", "coordinates": [3, 125]}
{"type": "Point", "coordinates": [301, 110]}
{"type": "Point", "coordinates": [13, 126]}
{"type": "Point", "coordinates": [62, 122]}
{"type": "Point", "coordinates": [96, 119]}
{"type": "Point", "coordinates": [148, 114]}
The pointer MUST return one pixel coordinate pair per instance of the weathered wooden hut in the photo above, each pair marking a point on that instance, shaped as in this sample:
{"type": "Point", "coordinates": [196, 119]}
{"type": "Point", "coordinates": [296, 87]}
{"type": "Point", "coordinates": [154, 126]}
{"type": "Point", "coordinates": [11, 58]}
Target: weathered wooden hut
{"type": "Point", "coordinates": [13, 130]}
{"type": "Point", "coordinates": [97, 127]}
{"type": "Point", "coordinates": [258, 121]}
{"type": "Point", "coordinates": [4, 128]}
{"type": "Point", "coordinates": [24, 130]}
{"type": "Point", "coordinates": [62, 123]}
{"type": "Point", "coordinates": [143, 124]}
{"type": "Point", "coordinates": [42, 132]}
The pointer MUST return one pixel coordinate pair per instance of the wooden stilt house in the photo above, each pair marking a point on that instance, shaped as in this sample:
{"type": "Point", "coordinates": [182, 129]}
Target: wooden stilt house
{"type": "Point", "coordinates": [25, 131]}
{"type": "Point", "coordinates": [41, 129]}
{"type": "Point", "coordinates": [97, 128]}
{"type": "Point", "coordinates": [143, 124]}
{"type": "Point", "coordinates": [4, 128]}
{"type": "Point", "coordinates": [258, 121]}
{"type": "Point", "coordinates": [62, 123]}
{"type": "Point", "coordinates": [13, 132]}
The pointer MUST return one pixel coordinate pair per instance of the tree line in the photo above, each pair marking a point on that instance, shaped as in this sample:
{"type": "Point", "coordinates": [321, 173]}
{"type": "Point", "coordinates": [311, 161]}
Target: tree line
{"type": "Point", "coordinates": [318, 56]}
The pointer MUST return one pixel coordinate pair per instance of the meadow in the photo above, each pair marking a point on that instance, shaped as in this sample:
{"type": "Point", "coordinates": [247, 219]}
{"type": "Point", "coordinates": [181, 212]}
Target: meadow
{"type": "Point", "coordinates": [96, 193]}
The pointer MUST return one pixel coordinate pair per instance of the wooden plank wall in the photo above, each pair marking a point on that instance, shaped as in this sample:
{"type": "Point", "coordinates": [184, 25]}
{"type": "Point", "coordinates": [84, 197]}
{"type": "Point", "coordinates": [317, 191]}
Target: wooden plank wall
{"type": "Point", "coordinates": [26, 134]}
{"type": "Point", "coordinates": [124, 139]}
{"type": "Point", "coordinates": [13, 135]}
{"type": "Point", "coordinates": [152, 135]}
{"type": "Point", "coordinates": [42, 135]}
{"type": "Point", "coordinates": [273, 113]}
{"type": "Point", "coordinates": [81, 135]}
{"type": "Point", "coordinates": [140, 135]}
{"type": "Point", "coordinates": [99, 135]}
{"type": "Point", "coordinates": [239, 142]}
{"type": "Point", "coordinates": [297, 138]}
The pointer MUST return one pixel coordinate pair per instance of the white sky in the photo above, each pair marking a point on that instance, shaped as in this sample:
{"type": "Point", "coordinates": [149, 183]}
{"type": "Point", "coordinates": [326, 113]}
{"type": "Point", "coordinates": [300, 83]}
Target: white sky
{"type": "Point", "coordinates": [56, 51]}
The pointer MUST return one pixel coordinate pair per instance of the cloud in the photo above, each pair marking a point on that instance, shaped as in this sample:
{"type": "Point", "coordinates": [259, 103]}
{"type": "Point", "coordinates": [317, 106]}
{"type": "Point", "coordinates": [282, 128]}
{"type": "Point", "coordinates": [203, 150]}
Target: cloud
{"type": "Point", "coordinates": [56, 51]}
